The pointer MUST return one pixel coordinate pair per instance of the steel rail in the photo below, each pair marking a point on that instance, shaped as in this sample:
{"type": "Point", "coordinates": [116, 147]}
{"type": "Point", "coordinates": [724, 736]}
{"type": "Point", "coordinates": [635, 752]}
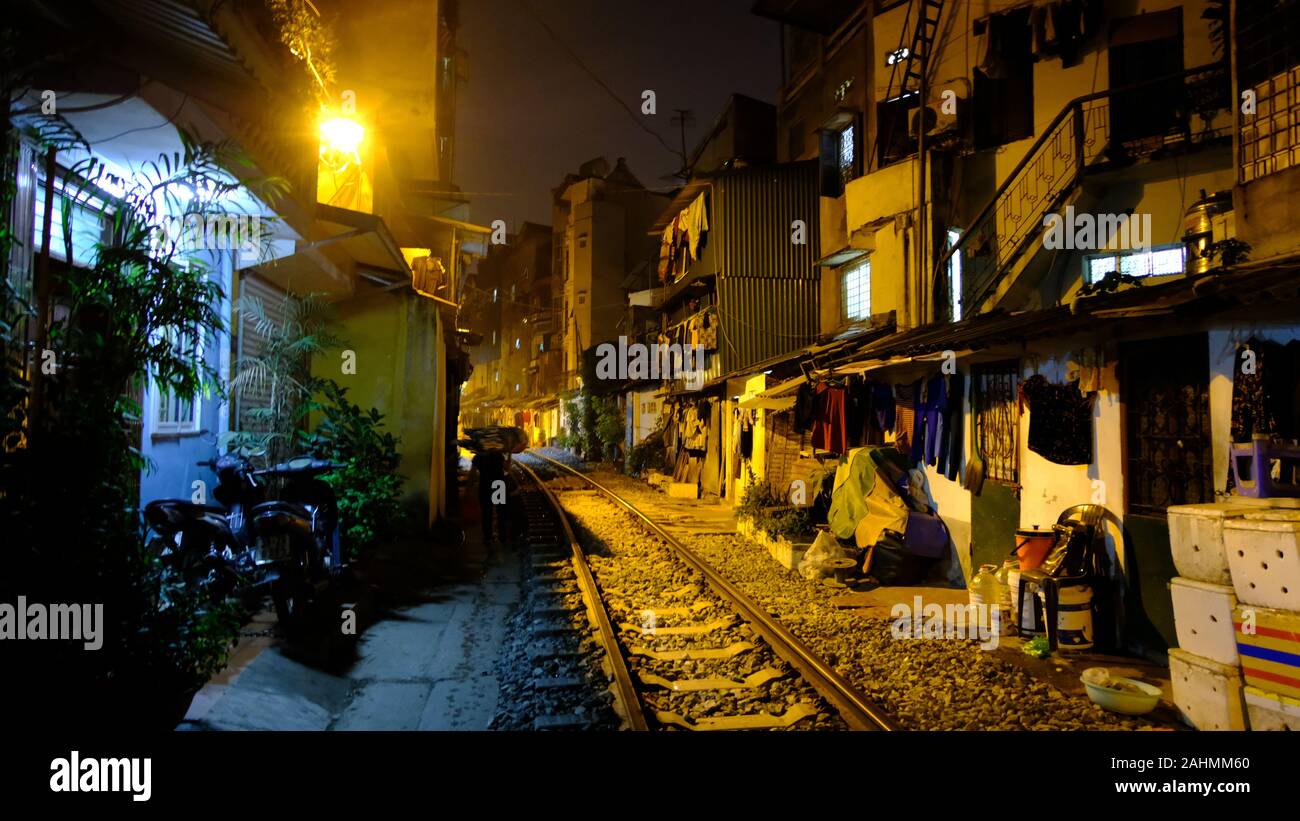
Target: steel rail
{"type": "Point", "coordinates": [624, 688]}
{"type": "Point", "coordinates": [859, 712]}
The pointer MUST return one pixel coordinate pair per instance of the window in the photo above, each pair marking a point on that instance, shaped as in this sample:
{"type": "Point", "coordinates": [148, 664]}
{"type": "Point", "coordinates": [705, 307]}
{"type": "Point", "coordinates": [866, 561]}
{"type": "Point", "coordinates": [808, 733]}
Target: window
{"type": "Point", "coordinates": [88, 223]}
{"type": "Point", "coordinates": [839, 154]}
{"type": "Point", "coordinates": [893, 130]}
{"type": "Point", "coordinates": [848, 155]}
{"type": "Point", "coordinates": [954, 275]}
{"type": "Point", "coordinates": [857, 290]}
{"type": "Point", "coordinates": [174, 413]}
{"type": "Point", "coordinates": [1004, 82]}
{"type": "Point", "coordinates": [1153, 263]}
{"type": "Point", "coordinates": [994, 390]}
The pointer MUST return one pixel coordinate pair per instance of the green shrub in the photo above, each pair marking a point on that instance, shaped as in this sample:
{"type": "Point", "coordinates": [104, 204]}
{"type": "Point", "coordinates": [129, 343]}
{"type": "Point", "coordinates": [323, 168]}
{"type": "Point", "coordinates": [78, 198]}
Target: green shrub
{"type": "Point", "coordinates": [368, 487]}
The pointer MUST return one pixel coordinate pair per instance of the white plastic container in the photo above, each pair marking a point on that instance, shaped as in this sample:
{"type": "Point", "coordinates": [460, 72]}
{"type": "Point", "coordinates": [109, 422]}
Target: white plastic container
{"type": "Point", "coordinates": [1203, 619]}
{"type": "Point", "coordinates": [1264, 557]}
{"type": "Point", "coordinates": [1268, 711]}
{"type": "Point", "coordinates": [1196, 539]}
{"type": "Point", "coordinates": [1207, 693]}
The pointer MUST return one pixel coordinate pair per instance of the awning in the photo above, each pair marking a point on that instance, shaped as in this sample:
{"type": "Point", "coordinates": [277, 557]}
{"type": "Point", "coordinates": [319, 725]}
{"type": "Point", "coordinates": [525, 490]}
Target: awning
{"type": "Point", "coordinates": [340, 241]}
{"type": "Point", "coordinates": [779, 397]}
{"type": "Point", "coordinates": [840, 257]}
{"type": "Point", "coordinates": [365, 238]}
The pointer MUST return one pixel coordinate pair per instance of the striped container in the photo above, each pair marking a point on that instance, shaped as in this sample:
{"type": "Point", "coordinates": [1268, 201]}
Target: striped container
{"type": "Point", "coordinates": [1268, 642]}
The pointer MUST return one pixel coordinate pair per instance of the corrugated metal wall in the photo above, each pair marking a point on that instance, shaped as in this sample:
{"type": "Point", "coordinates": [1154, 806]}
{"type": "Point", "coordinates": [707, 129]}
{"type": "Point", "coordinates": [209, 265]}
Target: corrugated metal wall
{"type": "Point", "coordinates": [767, 285]}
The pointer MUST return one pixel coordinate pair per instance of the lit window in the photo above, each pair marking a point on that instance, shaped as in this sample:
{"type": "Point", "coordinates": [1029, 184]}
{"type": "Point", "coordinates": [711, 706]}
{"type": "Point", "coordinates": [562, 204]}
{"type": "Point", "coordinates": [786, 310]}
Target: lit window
{"type": "Point", "coordinates": [88, 223]}
{"type": "Point", "coordinates": [954, 275]}
{"type": "Point", "coordinates": [1156, 262]}
{"type": "Point", "coordinates": [857, 290]}
{"type": "Point", "coordinates": [174, 413]}
{"type": "Point", "coordinates": [848, 153]}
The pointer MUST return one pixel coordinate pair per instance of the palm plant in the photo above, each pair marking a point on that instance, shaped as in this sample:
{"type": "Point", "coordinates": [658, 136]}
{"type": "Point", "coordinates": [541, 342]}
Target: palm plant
{"type": "Point", "coordinates": [68, 499]}
{"type": "Point", "coordinates": [274, 386]}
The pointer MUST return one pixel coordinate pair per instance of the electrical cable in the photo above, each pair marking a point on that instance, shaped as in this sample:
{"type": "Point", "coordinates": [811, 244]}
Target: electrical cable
{"type": "Point", "coordinates": [595, 77]}
{"type": "Point", "coordinates": [169, 121]}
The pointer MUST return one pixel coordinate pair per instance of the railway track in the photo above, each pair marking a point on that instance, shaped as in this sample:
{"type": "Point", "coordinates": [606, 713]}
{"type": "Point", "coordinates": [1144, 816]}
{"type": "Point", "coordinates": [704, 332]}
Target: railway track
{"type": "Point", "coordinates": [681, 646]}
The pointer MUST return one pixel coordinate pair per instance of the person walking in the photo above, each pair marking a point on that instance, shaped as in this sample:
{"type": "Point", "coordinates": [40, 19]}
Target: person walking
{"type": "Point", "coordinates": [492, 492]}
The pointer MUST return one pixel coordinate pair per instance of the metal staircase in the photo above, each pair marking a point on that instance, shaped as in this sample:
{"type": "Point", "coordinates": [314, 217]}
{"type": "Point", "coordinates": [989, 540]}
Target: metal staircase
{"type": "Point", "coordinates": [1001, 240]}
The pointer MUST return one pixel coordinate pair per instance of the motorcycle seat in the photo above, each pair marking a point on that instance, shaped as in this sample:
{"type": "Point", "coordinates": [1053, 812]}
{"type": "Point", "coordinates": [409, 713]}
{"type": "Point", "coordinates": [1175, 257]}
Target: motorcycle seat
{"type": "Point", "coordinates": [177, 511]}
{"type": "Point", "coordinates": [280, 516]}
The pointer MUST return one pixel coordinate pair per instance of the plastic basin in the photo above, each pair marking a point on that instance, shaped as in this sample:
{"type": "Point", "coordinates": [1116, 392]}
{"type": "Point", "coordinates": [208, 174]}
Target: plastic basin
{"type": "Point", "coordinates": [1123, 701]}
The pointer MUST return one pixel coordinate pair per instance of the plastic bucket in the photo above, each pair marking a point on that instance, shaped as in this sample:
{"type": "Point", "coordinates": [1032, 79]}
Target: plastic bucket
{"type": "Point", "coordinates": [1074, 617]}
{"type": "Point", "coordinates": [1032, 547]}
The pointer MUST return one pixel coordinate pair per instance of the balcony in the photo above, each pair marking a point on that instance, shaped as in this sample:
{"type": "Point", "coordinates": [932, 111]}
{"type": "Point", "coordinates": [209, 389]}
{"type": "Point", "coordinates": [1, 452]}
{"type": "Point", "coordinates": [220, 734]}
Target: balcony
{"type": "Point", "coordinates": [1094, 134]}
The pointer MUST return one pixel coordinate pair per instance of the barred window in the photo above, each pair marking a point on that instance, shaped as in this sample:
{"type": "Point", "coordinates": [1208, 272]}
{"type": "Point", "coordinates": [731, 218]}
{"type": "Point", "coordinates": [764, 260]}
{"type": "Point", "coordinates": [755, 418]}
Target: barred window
{"type": "Point", "coordinates": [857, 290]}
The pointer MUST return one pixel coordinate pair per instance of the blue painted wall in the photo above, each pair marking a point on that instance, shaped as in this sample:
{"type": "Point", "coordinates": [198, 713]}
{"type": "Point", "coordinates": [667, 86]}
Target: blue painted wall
{"type": "Point", "coordinates": [172, 456]}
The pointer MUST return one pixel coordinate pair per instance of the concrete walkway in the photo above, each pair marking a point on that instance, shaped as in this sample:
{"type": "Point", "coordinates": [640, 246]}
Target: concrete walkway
{"type": "Point", "coordinates": [427, 666]}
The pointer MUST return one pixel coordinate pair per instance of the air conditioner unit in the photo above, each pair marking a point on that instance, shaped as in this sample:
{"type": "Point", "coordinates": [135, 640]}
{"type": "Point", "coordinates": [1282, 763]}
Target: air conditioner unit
{"type": "Point", "coordinates": [943, 114]}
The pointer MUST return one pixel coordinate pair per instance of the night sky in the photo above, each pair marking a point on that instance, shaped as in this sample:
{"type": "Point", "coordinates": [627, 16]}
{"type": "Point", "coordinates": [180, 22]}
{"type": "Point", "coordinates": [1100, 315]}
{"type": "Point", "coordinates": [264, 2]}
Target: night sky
{"type": "Point", "coordinates": [528, 113]}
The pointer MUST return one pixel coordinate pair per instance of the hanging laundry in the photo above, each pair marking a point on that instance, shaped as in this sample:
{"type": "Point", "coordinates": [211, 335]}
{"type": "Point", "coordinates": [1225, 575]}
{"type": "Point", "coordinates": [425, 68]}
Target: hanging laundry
{"type": "Point", "coordinates": [905, 416]}
{"type": "Point", "coordinates": [954, 424]}
{"type": "Point", "coordinates": [857, 408]}
{"type": "Point", "coordinates": [1060, 421]}
{"type": "Point", "coordinates": [829, 427]}
{"type": "Point", "coordinates": [709, 329]}
{"type": "Point", "coordinates": [666, 250]}
{"type": "Point", "coordinates": [882, 405]}
{"type": "Point", "coordinates": [804, 408]}
{"type": "Point", "coordinates": [745, 432]}
{"type": "Point", "coordinates": [1266, 401]}
{"type": "Point", "coordinates": [934, 407]}
{"type": "Point", "coordinates": [696, 220]}
{"type": "Point", "coordinates": [1085, 367]}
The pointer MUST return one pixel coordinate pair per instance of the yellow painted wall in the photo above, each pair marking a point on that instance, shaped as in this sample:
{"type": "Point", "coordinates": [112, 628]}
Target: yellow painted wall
{"type": "Point", "coordinates": [400, 369]}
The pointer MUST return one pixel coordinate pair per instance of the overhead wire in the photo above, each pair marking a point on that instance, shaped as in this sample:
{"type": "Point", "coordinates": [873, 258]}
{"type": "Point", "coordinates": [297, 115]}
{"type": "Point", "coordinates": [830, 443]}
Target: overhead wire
{"type": "Point", "coordinates": [595, 77]}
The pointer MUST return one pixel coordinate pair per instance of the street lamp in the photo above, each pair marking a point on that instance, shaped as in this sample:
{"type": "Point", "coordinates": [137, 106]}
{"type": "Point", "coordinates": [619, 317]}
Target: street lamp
{"type": "Point", "coordinates": [340, 142]}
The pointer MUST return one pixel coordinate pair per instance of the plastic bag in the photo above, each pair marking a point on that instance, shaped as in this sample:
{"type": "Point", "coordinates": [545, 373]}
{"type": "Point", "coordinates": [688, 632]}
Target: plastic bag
{"type": "Point", "coordinates": [813, 565]}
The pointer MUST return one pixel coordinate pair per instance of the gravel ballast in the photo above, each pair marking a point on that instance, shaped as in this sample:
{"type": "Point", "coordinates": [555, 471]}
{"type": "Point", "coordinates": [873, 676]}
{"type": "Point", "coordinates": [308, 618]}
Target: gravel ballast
{"type": "Point", "coordinates": [927, 684]}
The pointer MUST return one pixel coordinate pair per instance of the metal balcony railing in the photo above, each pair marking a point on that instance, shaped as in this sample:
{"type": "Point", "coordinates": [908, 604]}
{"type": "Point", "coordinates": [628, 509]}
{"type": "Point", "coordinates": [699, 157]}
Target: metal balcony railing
{"type": "Point", "coordinates": [1082, 137]}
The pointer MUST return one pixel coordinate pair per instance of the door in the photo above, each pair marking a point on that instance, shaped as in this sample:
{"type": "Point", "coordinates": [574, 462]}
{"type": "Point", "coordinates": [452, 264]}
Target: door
{"type": "Point", "coordinates": [995, 511]}
{"type": "Point", "coordinates": [1166, 392]}
{"type": "Point", "coordinates": [1144, 48]}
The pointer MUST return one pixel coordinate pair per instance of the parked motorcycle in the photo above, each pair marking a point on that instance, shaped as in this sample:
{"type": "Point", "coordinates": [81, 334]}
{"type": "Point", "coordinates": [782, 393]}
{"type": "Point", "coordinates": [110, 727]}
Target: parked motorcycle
{"type": "Point", "coordinates": [209, 542]}
{"type": "Point", "coordinates": [298, 537]}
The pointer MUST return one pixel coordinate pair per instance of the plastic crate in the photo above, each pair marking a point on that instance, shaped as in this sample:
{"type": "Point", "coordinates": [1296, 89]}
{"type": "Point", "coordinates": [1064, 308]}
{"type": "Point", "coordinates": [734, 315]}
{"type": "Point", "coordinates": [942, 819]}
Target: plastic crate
{"type": "Point", "coordinates": [1207, 693]}
{"type": "Point", "coordinates": [1268, 642]}
{"type": "Point", "coordinates": [1203, 619]}
{"type": "Point", "coordinates": [1264, 557]}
